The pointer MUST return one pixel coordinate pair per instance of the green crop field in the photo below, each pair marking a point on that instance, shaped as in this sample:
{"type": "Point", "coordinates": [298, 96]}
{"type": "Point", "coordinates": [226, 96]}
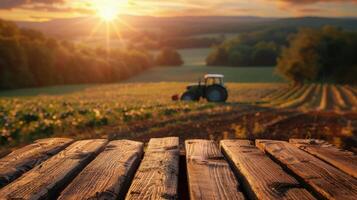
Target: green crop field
{"type": "Point", "coordinates": [28, 114]}
{"type": "Point", "coordinates": [144, 110]}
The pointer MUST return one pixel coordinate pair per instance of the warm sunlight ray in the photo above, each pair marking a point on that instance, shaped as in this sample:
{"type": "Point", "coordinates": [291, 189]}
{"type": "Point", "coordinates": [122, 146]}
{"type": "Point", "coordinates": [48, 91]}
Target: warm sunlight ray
{"type": "Point", "coordinates": [108, 13]}
{"type": "Point", "coordinates": [108, 10]}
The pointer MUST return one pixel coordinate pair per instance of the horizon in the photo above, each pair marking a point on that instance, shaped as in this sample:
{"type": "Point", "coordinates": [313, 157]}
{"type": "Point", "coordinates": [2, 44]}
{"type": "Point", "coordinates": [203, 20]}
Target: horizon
{"type": "Point", "coordinates": [191, 16]}
{"type": "Point", "coordinates": [47, 10]}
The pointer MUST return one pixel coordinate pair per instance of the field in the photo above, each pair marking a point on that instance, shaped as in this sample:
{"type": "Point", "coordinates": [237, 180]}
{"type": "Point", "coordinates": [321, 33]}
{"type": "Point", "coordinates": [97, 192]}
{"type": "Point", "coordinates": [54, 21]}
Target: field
{"type": "Point", "coordinates": [261, 105]}
{"type": "Point", "coordinates": [194, 67]}
{"type": "Point", "coordinates": [312, 97]}
{"type": "Point", "coordinates": [143, 110]}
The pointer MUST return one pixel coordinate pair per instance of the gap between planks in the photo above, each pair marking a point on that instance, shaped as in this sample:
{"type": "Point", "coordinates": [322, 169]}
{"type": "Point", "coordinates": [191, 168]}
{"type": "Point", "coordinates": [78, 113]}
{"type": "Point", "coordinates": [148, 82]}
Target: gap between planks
{"type": "Point", "coordinates": [209, 174]}
{"type": "Point", "coordinates": [319, 176]}
{"type": "Point", "coordinates": [262, 178]}
{"type": "Point", "coordinates": [108, 175]}
{"type": "Point", "coordinates": [344, 160]}
{"type": "Point", "coordinates": [157, 176]}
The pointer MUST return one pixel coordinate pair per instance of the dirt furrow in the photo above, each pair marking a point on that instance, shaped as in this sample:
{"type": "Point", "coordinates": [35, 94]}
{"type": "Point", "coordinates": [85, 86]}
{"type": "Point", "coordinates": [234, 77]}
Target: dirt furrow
{"type": "Point", "coordinates": [316, 99]}
{"type": "Point", "coordinates": [337, 98]}
{"type": "Point", "coordinates": [300, 92]}
{"type": "Point", "coordinates": [277, 94]}
{"type": "Point", "coordinates": [324, 99]}
{"type": "Point", "coordinates": [351, 89]}
{"type": "Point", "coordinates": [332, 104]}
{"type": "Point", "coordinates": [285, 96]}
{"type": "Point", "coordinates": [305, 97]}
{"type": "Point", "coordinates": [139, 127]}
{"type": "Point", "coordinates": [349, 98]}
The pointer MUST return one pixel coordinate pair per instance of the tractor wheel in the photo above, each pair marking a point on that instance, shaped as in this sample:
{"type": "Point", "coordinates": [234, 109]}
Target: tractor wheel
{"type": "Point", "coordinates": [216, 93]}
{"type": "Point", "coordinates": [189, 96]}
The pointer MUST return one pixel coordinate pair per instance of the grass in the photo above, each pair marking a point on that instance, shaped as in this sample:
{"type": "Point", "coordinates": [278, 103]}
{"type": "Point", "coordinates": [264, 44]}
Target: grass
{"type": "Point", "coordinates": [194, 68]}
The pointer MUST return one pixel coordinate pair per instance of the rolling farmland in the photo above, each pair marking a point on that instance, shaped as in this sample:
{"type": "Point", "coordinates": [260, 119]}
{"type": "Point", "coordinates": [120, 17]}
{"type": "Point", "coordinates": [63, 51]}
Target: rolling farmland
{"type": "Point", "coordinates": [142, 111]}
{"type": "Point", "coordinates": [195, 67]}
{"type": "Point", "coordinates": [315, 97]}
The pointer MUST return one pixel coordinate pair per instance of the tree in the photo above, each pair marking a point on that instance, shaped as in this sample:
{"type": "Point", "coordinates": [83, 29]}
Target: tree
{"type": "Point", "coordinates": [265, 53]}
{"type": "Point", "coordinates": [8, 29]}
{"type": "Point", "coordinates": [14, 69]}
{"type": "Point", "coordinates": [218, 56]}
{"type": "Point", "coordinates": [260, 48]}
{"type": "Point", "coordinates": [28, 58]}
{"type": "Point", "coordinates": [169, 57]}
{"type": "Point", "coordinates": [41, 62]}
{"type": "Point", "coordinates": [326, 54]}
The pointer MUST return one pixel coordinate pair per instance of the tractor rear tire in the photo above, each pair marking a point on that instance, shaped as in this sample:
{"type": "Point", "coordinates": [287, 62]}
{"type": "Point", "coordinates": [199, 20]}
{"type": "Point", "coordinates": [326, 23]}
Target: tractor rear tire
{"type": "Point", "coordinates": [189, 96]}
{"type": "Point", "coordinates": [216, 93]}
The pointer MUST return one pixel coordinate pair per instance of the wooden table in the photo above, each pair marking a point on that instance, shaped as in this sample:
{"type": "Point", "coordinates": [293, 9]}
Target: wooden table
{"type": "Point", "coordinates": [60, 168]}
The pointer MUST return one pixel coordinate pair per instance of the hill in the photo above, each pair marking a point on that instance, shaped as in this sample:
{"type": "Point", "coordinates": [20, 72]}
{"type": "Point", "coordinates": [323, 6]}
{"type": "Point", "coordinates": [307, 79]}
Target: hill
{"type": "Point", "coordinates": [184, 25]}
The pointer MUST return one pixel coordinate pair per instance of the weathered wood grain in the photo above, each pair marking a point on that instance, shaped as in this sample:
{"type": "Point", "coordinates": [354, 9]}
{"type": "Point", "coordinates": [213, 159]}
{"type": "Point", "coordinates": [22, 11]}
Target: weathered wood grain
{"type": "Point", "coordinates": [108, 175]}
{"type": "Point", "coordinates": [321, 177]}
{"type": "Point", "coordinates": [20, 161]}
{"type": "Point", "coordinates": [343, 160]}
{"type": "Point", "coordinates": [262, 177]}
{"type": "Point", "coordinates": [157, 175]}
{"type": "Point", "coordinates": [45, 180]}
{"type": "Point", "coordinates": [209, 174]}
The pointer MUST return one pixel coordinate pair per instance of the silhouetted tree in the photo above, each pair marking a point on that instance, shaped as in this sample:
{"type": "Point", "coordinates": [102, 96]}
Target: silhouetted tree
{"type": "Point", "coordinates": [28, 58]}
{"type": "Point", "coordinates": [250, 49]}
{"type": "Point", "coordinates": [169, 57]}
{"type": "Point", "coordinates": [218, 56]}
{"type": "Point", "coordinates": [327, 54]}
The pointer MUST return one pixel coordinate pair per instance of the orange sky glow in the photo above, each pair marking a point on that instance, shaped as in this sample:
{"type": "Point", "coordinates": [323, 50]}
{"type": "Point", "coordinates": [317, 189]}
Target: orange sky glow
{"type": "Point", "coordinates": [43, 10]}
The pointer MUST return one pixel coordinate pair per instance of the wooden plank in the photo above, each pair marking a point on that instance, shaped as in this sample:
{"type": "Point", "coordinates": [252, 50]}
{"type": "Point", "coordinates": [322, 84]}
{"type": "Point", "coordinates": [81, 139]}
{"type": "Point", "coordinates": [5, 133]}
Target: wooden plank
{"type": "Point", "coordinates": [209, 175]}
{"type": "Point", "coordinates": [45, 180]}
{"type": "Point", "coordinates": [109, 174]}
{"type": "Point", "coordinates": [20, 161]}
{"type": "Point", "coordinates": [343, 160]}
{"type": "Point", "coordinates": [157, 175]}
{"type": "Point", "coordinates": [324, 179]}
{"type": "Point", "coordinates": [262, 177]}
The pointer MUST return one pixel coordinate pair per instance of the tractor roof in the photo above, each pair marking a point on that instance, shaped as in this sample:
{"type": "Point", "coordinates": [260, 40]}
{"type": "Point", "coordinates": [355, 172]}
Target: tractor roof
{"type": "Point", "coordinates": [214, 76]}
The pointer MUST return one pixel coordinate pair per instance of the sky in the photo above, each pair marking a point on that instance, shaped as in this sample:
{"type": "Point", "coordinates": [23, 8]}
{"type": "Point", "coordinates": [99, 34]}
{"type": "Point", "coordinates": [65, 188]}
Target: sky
{"type": "Point", "coordinates": [44, 10]}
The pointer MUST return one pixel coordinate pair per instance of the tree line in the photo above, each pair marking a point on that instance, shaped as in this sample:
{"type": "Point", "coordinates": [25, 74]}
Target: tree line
{"type": "Point", "coordinates": [258, 48]}
{"type": "Point", "coordinates": [153, 41]}
{"type": "Point", "coordinates": [301, 55]}
{"type": "Point", "coordinates": [30, 59]}
{"type": "Point", "coordinates": [326, 54]}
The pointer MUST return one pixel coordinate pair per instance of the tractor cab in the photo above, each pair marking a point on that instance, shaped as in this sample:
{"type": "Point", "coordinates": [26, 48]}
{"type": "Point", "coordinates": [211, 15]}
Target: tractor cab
{"type": "Point", "coordinates": [213, 79]}
{"type": "Point", "coordinates": [211, 88]}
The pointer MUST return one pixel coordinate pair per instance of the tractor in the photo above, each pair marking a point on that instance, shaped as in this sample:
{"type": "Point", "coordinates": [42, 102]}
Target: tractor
{"type": "Point", "coordinates": [211, 88]}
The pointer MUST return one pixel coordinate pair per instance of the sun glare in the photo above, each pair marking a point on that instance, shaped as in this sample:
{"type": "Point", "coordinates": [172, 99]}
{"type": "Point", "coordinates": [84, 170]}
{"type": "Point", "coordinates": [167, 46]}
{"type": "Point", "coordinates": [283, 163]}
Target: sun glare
{"type": "Point", "coordinates": [108, 13]}
{"type": "Point", "coordinates": [108, 10]}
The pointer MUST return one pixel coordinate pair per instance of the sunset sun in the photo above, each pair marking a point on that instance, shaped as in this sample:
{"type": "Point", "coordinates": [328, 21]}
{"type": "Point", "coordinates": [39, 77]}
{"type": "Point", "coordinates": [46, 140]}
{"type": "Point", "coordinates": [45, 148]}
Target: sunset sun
{"type": "Point", "coordinates": [108, 10]}
{"type": "Point", "coordinates": [108, 13]}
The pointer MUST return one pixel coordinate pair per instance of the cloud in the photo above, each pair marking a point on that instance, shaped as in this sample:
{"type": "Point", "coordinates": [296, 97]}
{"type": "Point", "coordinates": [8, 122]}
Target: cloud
{"type": "Point", "coordinates": [8, 4]}
{"type": "Point", "coordinates": [304, 2]}
{"type": "Point", "coordinates": [51, 8]}
{"type": "Point", "coordinates": [310, 10]}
